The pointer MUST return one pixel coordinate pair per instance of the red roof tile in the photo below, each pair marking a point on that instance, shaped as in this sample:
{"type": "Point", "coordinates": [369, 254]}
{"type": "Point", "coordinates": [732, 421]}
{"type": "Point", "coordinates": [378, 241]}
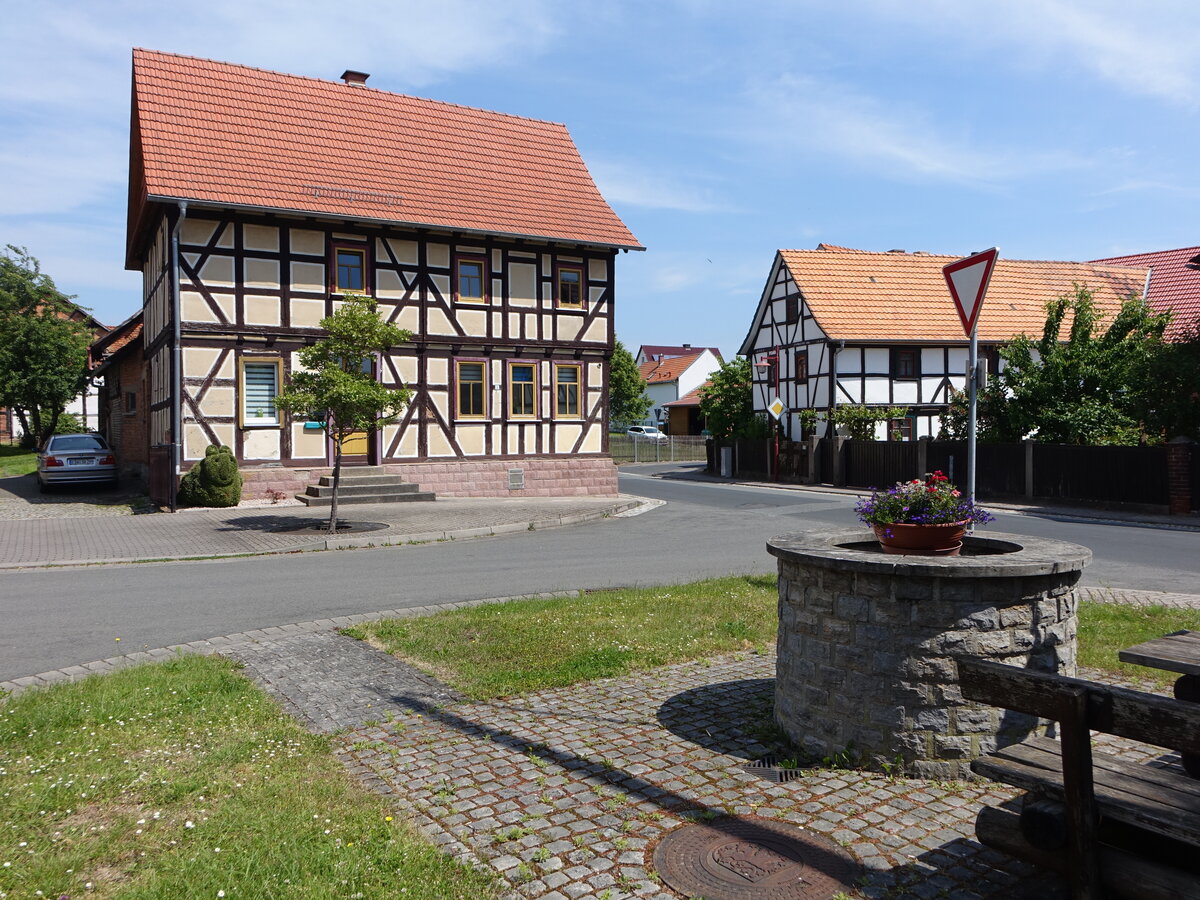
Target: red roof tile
{"type": "Point", "coordinates": [213, 132]}
{"type": "Point", "coordinates": [658, 371]}
{"type": "Point", "coordinates": [691, 398]}
{"type": "Point", "coordinates": [862, 296]}
{"type": "Point", "coordinates": [1174, 284]}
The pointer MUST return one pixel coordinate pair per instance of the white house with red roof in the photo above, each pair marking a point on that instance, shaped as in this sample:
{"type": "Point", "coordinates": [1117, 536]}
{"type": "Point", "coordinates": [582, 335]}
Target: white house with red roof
{"type": "Point", "coordinates": [669, 378]}
{"type": "Point", "coordinates": [257, 199]}
{"type": "Point", "coordinates": [1173, 286]}
{"type": "Point", "coordinates": [836, 326]}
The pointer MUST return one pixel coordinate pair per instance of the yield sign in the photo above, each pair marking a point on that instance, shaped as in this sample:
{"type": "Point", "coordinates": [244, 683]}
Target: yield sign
{"type": "Point", "coordinates": [968, 280]}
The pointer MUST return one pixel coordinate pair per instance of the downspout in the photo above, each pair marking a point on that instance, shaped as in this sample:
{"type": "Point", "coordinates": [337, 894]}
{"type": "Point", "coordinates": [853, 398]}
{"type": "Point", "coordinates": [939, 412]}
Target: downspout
{"type": "Point", "coordinates": [176, 363]}
{"type": "Point", "coordinates": [1146, 287]}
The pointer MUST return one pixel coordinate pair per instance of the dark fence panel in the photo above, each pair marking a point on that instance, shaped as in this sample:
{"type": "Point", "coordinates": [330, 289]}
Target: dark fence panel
{"type": "Point", "coordinates": [880, 463]}
{"type": "Point", "coordinates": [827, 451]}
{"type": "Point", "coordinates": [793, 460]}
{"type": "Point", "coordinates": [1105, 474]}
{"type": "Point", "coordinates": [753, 457]}
{"type": "Point", "coordinates": [1196, 477]}
{"type": "Point", "coordinates": [162, 472]}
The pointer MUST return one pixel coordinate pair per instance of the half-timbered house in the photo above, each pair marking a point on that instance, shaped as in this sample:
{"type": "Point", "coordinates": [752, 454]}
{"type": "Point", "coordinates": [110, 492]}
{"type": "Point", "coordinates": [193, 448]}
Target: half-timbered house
{"type": "Point", "coordinates": [258, 199]}
{"type": "Point", "coordinates": [836, 326]}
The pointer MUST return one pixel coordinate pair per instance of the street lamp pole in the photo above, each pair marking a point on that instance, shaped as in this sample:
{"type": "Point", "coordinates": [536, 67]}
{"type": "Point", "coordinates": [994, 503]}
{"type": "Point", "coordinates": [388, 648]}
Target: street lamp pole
{"type": "Point", "coordinates": [771, 360]}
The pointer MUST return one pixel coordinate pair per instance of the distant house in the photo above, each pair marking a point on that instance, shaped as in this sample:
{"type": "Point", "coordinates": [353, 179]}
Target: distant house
{"type": "Point", "coordinates": [836, 326]}
{"type": "Point", "coordinates": [118, 364]}
{"type": "Point", "coordinates": [258, 199]}
{"type": "Point", "coordinates": [84, 407]}
{"type": "Point", "coordinates": [1174, 284]}
{"type": "Point", "coordinates": [669, 378]}
{"type": "Point", "coordinates": [649, 352]}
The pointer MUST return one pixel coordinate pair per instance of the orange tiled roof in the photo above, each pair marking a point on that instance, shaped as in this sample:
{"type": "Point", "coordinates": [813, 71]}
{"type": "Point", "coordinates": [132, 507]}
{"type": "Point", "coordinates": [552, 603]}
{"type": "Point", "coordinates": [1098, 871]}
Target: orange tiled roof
{"type": "Point", "coordinates": [226, 134]}
{"type": "Point", "coordinates": [691, 398]}
{"type": "Point", "coordinates": [863, 296]}
{"type": "Point", "coordinates": [668, 369]}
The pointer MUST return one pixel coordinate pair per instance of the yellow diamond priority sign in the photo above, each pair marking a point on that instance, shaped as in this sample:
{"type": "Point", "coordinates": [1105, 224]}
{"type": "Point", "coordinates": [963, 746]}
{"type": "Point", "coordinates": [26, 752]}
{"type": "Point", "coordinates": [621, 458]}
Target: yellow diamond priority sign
{"type": "Point", "coordinates": [776, 407]}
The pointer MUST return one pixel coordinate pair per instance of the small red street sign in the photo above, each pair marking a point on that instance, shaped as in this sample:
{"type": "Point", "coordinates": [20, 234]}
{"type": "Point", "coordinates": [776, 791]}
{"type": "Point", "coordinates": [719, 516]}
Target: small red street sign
{"type": "Point", "coordinates": [968, 281]}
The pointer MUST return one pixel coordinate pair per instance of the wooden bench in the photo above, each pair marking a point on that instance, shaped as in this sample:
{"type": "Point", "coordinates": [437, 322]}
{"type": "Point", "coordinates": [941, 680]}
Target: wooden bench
{"type": "Point", "coordinates": [1129, 829]}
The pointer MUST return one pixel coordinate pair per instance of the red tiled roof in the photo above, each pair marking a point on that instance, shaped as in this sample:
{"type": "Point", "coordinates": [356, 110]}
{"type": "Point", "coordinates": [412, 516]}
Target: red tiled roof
{"type": "Point", "coordinates": [691, 398]}
{"type": "Point", "coordinates": [862, 296]}
{"type": "Point", "coordinates": [669, 369]}
{"type": "Point", "coordinates": [231, 135]}
{"type": "Point", "coordinates": [654, 351]}
{"type": "Point", "coordinates": [117, 339]}
{"type": "Point", "coordinates": [1174, 284]}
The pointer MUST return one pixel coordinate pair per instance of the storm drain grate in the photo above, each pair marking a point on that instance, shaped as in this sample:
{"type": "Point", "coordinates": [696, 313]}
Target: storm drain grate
{"type": "Point", "coordinates": [775, 771]}
{"type": "Point", "coordinates": [753, 858]}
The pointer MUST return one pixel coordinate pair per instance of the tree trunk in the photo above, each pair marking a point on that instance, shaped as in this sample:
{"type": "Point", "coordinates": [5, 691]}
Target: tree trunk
{"type": "Point", "coordinates": [337, 474]}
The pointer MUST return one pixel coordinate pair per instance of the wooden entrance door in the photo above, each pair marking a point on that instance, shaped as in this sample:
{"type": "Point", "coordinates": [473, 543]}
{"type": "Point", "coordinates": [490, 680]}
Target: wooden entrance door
{"type": "Point", "coordinates": [358, 449]}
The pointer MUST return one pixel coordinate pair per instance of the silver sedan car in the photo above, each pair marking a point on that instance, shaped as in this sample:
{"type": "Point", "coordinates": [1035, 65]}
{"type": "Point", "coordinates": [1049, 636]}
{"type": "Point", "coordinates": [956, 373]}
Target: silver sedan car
{"type": "Point", "coordinates": [75, 459]}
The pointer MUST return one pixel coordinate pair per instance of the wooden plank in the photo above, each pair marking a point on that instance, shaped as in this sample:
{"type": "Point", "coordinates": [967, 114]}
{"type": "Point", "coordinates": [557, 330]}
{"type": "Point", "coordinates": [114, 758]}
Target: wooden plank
{"type": "Point", "coordinates": [1155, 785]}
{"type": "Point", "coordinates": [1124, 874]}
{"type": "Point", "coordinates": [1162, 721]}
{"type": "Point", "coordinates": [1080, 796]}
{"type": "Point", "coordinates": [1151, 805]}
{"type": "Point", "coordinates": [1177, 652]}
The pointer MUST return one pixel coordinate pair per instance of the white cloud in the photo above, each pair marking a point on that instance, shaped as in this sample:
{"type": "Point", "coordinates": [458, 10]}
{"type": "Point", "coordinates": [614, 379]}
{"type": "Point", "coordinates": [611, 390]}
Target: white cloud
{"type": "Point", "coordinates": [796, 113]}
{"type": "Point", "coordinates": [1141, 48]}
{"type": "Point", "coordinates": [633, 185]}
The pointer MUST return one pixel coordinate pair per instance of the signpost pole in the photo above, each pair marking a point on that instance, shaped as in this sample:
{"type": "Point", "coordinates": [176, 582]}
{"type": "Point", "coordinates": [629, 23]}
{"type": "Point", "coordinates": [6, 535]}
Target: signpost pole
{"type": "Point", "coordinates": [972, 387]}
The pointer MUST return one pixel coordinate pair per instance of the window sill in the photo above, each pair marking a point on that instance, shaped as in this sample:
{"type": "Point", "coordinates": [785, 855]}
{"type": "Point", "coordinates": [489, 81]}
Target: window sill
{"type": "Point", "coordinates": [250, 425]}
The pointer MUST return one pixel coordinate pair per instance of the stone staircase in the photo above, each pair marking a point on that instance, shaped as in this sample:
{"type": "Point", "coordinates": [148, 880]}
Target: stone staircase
{"type": "Point", "coordinates": [360, 484]}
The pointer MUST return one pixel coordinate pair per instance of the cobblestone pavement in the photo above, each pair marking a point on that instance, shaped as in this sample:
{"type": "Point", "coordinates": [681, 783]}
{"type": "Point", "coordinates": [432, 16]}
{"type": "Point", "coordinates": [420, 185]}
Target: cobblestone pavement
{"type": "Point", "coordinates": [227, 532]}
{"type": "Point", "coordinates": [564, 793]}
{"type": "Point", "coordinates": [21, 499]}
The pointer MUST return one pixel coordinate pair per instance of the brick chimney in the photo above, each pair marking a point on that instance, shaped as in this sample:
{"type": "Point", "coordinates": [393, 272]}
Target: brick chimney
{"type": "Point", "coordinates": [359, 79]}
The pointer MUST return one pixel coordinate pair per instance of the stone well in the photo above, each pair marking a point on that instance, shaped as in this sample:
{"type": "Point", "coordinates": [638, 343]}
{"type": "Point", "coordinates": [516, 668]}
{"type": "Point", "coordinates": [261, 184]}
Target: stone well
{"type": "Point", "coordinates": [868, 641]}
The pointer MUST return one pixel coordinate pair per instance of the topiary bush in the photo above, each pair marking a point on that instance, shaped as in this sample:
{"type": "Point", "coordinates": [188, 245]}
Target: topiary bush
{"type": "Point", "coordinates": [214, 481]}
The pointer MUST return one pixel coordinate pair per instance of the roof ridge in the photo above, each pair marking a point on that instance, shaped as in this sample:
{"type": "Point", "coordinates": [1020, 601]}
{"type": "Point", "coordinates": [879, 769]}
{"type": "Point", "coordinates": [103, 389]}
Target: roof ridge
{"type": "Point", "coordinates": [922, 254]}
{"type": "Point", "coordinates": [335, 83]}
{"type": "Point", "coordinates": [1148, 253]}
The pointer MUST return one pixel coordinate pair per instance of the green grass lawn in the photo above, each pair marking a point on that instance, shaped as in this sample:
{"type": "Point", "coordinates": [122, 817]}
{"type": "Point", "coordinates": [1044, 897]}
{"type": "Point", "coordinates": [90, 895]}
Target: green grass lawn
{"type": "Point", "coordinates": [1107, 628]}
{"type": "Point", "coordinates": [15, 461]}
{"type": "Point", "coordinates": [525, 645]}
{"type": "Point", "coordinates": [183, 780]}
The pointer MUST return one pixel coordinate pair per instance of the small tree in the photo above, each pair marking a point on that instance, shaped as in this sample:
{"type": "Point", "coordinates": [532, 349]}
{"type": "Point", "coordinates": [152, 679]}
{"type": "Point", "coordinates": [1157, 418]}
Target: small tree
{"type": "Point", "coordinates": [862, 421]}
{"type": "Point", "coordinates": [43, 351]}
{"type": "Point", "coordinates": [1092, 388]}
{"type": "Point", "coordinates": [727, 403]}
{"type": "Point", "coordinates": [336, 386]}
{"type": "Point", "coordinates": [627, 399]}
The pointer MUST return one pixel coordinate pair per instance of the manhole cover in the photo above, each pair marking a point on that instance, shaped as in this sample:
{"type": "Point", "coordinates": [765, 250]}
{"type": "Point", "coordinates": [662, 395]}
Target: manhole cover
{"type": "Point", "coordinates": [322, 526]}
{"type": "Point", "coordinates": [752, 858]}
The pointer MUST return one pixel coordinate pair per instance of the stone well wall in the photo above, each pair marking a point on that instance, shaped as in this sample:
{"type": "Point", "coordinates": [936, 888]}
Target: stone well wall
{"type": "Point", "coordinates": [868, 642]}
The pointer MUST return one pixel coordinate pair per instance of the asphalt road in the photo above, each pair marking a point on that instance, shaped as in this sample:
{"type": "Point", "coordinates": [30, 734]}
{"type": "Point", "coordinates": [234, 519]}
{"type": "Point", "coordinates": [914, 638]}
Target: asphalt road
{"type": "Point", "coordinates": [53, 618]}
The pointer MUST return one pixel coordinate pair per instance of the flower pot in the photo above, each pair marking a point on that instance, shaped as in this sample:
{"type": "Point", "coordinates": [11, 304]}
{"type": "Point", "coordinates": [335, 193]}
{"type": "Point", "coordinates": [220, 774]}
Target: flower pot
{"type": "Point", "coordinates": [922, 540]}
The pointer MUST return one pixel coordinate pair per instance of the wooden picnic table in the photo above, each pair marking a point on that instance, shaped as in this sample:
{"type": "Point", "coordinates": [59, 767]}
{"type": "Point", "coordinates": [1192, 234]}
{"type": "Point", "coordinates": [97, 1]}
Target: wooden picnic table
{"type": "Point", "coordinates": [1179, 652]}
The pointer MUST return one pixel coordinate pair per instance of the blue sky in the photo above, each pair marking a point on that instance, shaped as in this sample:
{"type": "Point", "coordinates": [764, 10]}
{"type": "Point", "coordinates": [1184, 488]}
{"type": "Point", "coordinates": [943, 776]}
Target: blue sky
{"type": "Point", "coordinates": [720, 132]}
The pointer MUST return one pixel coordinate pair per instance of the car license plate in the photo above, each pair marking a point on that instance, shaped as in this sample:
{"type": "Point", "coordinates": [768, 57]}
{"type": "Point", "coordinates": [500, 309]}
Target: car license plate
{"type": "Point", "coordinates": [80, 461]}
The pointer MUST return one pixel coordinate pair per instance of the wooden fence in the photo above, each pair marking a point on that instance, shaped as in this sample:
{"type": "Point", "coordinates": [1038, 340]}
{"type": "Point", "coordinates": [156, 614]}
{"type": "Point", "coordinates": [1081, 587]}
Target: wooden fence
{"type": "Point", "coordinates": [1131, 476]}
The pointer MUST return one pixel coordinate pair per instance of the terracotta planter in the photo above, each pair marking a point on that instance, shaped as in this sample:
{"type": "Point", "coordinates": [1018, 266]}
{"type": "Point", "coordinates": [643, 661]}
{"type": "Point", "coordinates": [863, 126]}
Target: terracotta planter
{"type": "Point", "coordinates": [922, 540]}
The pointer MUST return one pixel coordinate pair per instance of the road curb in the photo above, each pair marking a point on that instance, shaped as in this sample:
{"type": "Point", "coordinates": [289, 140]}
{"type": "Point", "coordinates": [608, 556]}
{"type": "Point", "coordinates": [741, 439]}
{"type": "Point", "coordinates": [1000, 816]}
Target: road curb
{"type": "Point", "coordinates": [621, 507]}
{"type": "Point", "coordinates": [214, 645]}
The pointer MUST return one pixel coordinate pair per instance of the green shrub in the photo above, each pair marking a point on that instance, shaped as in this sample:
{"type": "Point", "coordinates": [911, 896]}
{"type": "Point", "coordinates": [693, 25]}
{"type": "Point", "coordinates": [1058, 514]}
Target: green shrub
{"type": "Point", "coordinates": [214, 481]}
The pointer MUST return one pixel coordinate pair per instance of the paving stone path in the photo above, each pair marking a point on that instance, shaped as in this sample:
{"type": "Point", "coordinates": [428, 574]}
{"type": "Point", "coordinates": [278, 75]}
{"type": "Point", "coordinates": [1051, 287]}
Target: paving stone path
{"type": "Point", "coordinates": [564, 793]}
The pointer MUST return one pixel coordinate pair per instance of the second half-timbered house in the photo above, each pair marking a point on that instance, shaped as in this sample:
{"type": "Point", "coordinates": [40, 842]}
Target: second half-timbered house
{"type": "Point", "coordinates": [259, 199]}
{"type": "Point", "coordinates": [836, 326]}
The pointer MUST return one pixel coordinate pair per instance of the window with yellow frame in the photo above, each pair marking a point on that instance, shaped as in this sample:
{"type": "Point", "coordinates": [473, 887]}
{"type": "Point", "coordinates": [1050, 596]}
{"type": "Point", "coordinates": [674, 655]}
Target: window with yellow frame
{"type": "Point", "coordinates": [471, 390]}
{"type": "Point", "coordinates": [522, 390]}
{"type": "Point", "coordinates": [470, 279]}
{"type": "Point", "coordinates": [566, 391]}
{"type": "Point", "coordinates": [349, 265]}
{"type": "Point", "coordinates": [570, 287]}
